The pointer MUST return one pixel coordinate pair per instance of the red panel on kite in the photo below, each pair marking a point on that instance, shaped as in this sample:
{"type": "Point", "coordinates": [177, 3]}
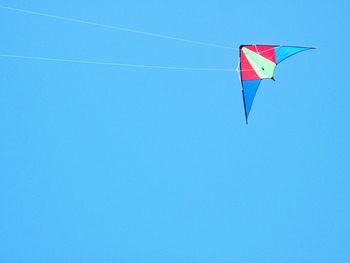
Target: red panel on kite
{"type": "Point", "coordinates": [247, 71]}
{"type": "Point", "coordinates": [265, 51]}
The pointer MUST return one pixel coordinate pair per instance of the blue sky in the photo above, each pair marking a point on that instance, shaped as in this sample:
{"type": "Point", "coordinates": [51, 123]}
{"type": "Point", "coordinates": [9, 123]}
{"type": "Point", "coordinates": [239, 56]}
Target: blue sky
{"type": "Point", "coordinates": [107, 164]}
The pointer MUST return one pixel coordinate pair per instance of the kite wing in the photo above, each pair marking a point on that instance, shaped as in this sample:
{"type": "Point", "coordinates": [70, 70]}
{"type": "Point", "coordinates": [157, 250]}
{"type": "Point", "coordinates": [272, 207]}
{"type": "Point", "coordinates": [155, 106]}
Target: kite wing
{"type": "Point", "coordinates": [258, 62]}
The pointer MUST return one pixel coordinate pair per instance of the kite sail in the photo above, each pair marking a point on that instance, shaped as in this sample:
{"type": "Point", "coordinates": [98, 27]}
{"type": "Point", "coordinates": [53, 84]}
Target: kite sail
{"type": "Point", "coordinates": [258, 62]}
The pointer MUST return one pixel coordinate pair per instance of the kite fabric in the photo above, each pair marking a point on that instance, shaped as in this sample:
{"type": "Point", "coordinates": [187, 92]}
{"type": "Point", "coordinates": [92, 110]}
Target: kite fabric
{"type": "Point", "coordinates": [258, 62]}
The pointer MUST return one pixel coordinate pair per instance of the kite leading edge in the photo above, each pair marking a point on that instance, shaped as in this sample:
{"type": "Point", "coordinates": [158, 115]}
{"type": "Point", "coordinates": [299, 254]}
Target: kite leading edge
{"type": "Point", "coordinates": [258, 62]}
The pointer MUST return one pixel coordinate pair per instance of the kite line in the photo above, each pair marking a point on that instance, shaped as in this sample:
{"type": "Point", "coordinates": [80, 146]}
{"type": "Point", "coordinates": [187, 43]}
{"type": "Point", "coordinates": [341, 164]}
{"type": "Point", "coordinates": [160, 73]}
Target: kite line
{"type": "Point", "coordinates": [130, 30]}
{"type": "Point", "coordinates": [76, 61]}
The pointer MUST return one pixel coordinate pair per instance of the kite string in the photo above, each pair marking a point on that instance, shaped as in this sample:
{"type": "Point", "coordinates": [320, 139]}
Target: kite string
{"type": "Point", "coordinates": [69, 19]}
{"type": "Point", "coordinates": [76, 61]}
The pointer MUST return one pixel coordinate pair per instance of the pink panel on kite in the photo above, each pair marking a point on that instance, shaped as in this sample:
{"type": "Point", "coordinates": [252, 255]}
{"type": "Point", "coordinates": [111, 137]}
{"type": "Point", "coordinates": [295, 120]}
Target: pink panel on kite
{"type": "Point", "coordinates": [266, 51]}
{"type": "Point", "coordinates": [247, 71]}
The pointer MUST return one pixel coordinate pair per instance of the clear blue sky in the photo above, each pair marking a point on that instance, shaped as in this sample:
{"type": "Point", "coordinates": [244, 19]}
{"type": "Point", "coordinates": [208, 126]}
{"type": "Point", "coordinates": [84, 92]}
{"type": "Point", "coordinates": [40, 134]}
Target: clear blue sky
{"type": "Point", "coordinates": [106, 164]}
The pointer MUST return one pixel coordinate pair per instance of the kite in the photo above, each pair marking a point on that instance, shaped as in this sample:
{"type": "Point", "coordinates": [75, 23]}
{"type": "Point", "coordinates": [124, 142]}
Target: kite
{"type": "Point", "coordinates": [258, 62]}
